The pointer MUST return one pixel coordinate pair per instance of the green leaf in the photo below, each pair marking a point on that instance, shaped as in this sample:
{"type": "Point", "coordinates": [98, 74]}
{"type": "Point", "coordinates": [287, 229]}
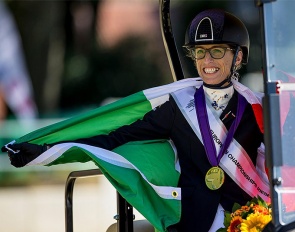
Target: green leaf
{"type": "Point", "coordinates": [227, 219]}
{"type": "Point", "coordinates": [236, 206]}
{"type": "Point", "coordinates": [262, 202]}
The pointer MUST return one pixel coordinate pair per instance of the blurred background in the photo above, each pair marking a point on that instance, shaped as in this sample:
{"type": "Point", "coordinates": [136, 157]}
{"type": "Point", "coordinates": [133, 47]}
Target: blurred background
{"type": "Point", "coordinates": [61, 58]}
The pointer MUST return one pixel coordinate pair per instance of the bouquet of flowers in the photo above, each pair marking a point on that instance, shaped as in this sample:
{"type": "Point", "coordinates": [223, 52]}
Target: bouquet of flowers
{"type": "Point", "coordinates": [254, 216]}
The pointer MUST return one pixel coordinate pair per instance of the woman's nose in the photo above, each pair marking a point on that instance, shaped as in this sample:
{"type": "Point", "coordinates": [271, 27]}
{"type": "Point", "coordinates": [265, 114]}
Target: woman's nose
{"type": "Point", "coordinates": [208, 57]}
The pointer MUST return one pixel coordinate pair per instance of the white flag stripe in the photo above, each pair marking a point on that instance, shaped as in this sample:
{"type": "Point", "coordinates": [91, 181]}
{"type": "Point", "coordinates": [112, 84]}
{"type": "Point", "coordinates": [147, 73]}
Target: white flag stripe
{"type": "Point", "coordinates": [108, 156]}
{"type": "Point", "coordinates": [158, 95]}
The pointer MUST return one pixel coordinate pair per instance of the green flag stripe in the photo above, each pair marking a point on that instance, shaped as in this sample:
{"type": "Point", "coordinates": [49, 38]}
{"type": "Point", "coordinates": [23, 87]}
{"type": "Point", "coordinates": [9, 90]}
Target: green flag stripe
{"type": "Point", "coordinates": [99, 121]}
{"type": "Point", "coordinates": [107, 118]}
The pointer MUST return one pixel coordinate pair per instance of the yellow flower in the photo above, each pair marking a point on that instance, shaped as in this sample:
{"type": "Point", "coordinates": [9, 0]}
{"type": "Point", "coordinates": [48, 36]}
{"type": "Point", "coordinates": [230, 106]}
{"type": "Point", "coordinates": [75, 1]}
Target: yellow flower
{"type": "Point", "coordinates": [255, 223]}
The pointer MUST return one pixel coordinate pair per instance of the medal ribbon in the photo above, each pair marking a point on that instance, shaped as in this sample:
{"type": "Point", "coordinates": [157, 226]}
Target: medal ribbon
{"type": "Point", "coordinates": [204, 125]}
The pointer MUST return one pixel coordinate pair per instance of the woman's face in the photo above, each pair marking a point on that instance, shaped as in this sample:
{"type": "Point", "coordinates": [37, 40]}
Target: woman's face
{"type": "Point", "coordinates": [214, 71]}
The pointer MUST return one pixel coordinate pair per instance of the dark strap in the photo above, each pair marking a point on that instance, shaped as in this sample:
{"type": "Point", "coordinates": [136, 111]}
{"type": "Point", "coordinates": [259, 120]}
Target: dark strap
{"type": "Point", "coordinates": [204, 125]}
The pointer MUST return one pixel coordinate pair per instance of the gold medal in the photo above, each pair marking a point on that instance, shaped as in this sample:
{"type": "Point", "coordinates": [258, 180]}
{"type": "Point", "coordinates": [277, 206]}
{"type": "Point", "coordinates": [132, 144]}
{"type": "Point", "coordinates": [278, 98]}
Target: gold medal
{"type": "Point", "coordinates": [214, 178]}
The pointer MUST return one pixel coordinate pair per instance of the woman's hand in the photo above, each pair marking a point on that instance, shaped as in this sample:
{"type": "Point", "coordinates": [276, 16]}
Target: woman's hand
{"type": "Point", "coordinates": [21, 154]}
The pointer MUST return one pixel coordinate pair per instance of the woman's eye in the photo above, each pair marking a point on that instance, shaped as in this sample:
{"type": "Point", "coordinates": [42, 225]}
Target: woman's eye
{"type": "Point", "coordinates": [217, 51]}
{"type": "Point", "coordinates": [200, 51]}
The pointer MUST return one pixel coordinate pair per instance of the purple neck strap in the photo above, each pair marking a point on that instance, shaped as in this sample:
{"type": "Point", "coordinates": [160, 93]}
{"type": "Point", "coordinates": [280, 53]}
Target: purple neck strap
{"type": "Point", "coordinates": [204, 125]}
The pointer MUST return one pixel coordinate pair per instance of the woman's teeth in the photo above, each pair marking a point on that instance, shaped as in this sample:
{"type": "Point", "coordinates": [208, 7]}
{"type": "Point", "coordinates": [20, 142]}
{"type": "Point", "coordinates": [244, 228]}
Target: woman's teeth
{"type": "Point", "coordinates": [210, 70]}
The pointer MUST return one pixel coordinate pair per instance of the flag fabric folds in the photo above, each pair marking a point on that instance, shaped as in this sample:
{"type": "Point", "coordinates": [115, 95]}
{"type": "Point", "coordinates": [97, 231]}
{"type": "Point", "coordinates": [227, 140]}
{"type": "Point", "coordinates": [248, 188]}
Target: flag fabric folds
{"type": "Point", "coordinates": [145, 173]}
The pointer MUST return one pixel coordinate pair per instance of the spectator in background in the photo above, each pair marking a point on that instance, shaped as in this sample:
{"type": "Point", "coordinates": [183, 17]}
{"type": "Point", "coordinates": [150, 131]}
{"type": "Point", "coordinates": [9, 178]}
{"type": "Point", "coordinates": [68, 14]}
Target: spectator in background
{"type": "Point", "coordinates": [15, 85]}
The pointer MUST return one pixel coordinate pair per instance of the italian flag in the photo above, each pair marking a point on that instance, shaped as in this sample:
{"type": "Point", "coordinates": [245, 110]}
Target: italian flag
{"type": "Point", "coordinates": [145, 173]}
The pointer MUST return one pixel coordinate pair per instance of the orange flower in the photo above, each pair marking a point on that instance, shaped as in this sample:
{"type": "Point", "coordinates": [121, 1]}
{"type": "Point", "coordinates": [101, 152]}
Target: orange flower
{"type": "Point", "coordinates": [235, 224]}
{"type": "Point", "coordinates": [260, 209]}
{"type": "Point", "coordinates": [239, 212]}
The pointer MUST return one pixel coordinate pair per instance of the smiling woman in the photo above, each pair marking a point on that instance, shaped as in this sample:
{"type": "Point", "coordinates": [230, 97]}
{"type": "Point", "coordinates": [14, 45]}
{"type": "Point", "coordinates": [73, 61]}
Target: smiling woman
{"type": "Point", "coordinates": [213, 122]}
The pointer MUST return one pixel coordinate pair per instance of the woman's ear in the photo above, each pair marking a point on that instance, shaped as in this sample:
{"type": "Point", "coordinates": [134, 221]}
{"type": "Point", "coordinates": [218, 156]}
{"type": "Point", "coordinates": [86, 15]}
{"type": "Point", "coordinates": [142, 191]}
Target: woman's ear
{"type": "Point", "coordinates": [239, 59]}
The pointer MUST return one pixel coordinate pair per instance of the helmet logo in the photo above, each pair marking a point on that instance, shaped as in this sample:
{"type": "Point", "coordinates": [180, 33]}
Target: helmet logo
{"type": "Point", "coordinates": [204, 30]}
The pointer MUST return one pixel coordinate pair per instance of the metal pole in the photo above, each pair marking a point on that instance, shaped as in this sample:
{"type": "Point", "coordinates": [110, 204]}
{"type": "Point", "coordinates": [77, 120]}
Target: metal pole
{"type": "Point", "coordinates": [169, 42]}
{"type": "Point", "coordinates": [69, 193]}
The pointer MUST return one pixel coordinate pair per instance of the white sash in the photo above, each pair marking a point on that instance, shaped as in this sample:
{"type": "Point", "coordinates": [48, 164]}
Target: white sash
{"type": "Point", "coordinates": [235, 162]}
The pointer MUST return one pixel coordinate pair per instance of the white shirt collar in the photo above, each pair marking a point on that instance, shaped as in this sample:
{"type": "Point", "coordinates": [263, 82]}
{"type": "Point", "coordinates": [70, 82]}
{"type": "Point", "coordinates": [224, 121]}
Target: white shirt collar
{"type": "Point", "coordinates": [219, 98]}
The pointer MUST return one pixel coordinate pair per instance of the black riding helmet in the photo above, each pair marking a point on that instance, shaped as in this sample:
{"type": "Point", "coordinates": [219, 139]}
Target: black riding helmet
{"type": "Point", "coordinates": [216, 26]}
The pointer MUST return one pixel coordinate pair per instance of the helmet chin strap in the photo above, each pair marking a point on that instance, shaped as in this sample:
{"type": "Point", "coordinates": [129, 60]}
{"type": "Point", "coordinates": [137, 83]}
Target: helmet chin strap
{"type": "Point", "coordinates": [219, 85]}
{"type": "Point", "coordinates": [228, 79]}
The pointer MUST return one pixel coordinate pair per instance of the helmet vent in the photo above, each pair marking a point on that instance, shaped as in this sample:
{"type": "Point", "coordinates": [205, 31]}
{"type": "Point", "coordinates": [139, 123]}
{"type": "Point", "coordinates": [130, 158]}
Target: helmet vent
{"type": "Point", "coordinates": [204, 30]}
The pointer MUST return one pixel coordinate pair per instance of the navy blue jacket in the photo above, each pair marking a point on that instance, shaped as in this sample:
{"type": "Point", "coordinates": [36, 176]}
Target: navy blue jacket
{"type": "Point", "coordinates": [199, 204]}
